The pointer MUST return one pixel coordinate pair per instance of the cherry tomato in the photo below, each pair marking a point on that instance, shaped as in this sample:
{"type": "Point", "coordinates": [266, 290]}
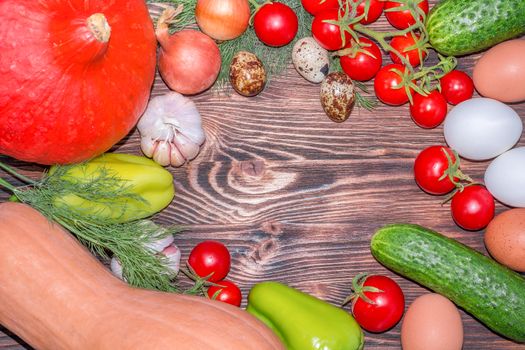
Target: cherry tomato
{"type": "Point", "coordinates": [275, 24]}
{"type": "Point", "coordinates": [403, 19]}
{"type": "Point", "coordinates": [210, 258]}
{"type": "Point", "coordinates": [228, 292]}
{"type": "Point", "coordinates": [383, 309]}
{"type": "Point", "coordinates": [374, 11]}
{"type": "Point", "coordinates": [428, 111]}
{"type": "Point", "coordinates": [401, 44]}
{"type": "Point", "coordinates": [473, 208]}
{"type": "Point", "coordinates": [429, 167]}
{"type": "Point", "coordinates": [315, 6]}
{"type": "Point", "coordinates": [386, 85]}
{"type": "Point", "coordinates": [328, 35]}
{"type": "Point", "coordinates": [457, 87]}
{"type": "Point", "coordinates": [362, 66]}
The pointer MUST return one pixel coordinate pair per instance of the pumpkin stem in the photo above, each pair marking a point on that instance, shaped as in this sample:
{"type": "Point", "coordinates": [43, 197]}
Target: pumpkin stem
{"type": "Point", "coordinates": [99, 26]}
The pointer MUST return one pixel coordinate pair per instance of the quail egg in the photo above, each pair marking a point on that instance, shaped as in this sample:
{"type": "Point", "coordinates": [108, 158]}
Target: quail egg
{"type": "Point", "coordinates": [337, 96]}
{"type": "Point", "coordinates": [247, 74]}
{"type": "Point", "coordinates": [310, 60]}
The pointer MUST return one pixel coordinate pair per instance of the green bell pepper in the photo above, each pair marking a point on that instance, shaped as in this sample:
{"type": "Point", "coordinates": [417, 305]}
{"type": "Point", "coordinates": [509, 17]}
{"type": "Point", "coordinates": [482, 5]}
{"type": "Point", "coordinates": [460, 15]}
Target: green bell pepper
{"type": "Point", "coordinates": [115, 187]}
{"type": "Point", "coordinates": [302, 321]}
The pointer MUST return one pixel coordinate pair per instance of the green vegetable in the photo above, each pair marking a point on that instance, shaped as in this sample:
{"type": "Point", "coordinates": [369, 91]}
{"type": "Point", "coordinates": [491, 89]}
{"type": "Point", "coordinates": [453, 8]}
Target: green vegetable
{"type": "Point", "coordinates": [120, 187]}
{"type": "Point", "coordinates": [460, 27]}
{"type": "Point", "coordinates": [489, 291]}
{"type": "Point", "coordinates": [302, 321]}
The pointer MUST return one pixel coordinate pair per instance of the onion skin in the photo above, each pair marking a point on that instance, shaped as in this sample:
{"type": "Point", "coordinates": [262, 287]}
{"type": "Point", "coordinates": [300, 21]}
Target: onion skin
{"type": "Point", "coordinates": [223, 19]}
{"type": "Point", "coordinates": [189, 61]}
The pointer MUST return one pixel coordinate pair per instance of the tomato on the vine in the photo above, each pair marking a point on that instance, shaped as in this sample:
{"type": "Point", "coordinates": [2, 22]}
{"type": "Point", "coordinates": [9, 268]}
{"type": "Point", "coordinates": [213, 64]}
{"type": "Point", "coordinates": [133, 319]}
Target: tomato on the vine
{"type": "Point", "coordinates": [313, 7]}
{"type": "Point", "coordinates": [473, 207]}
{"type": "Point", "coordinates": [275, 24]}
{"type": "Point", "coordinates": [428, 111]}
{"type": "Point", "coordinates": [378, 302]}
{"type": "Point", "coordinates": [210, 259]}
{"type": "Point", "coordinates": [227, 292]}
{"type": "Point", "coordinates": [456, 87]}
{"type": "Point", "coordinates": [388, 85]}
{"type": "Point", "coordinates": [374, 11]}
{"type": "Point", "coordinates": [402, 18]}
{"type": "Point", "coordinates": [363, 64]}
{"type": "Point", "coordinates": [328, 35]}
{"type": "Point", "coordinates": [430, 168]}
{"type": "Point", "coordinates": [402, 44]}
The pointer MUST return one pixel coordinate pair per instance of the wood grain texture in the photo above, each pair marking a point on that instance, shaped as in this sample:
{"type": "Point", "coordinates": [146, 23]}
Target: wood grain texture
{"type": "Point", "coordinates": [297, 197]}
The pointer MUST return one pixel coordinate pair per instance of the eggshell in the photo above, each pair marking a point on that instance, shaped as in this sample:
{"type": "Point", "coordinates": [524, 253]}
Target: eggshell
{"type": "Point", "coordinates": [310, 60]}
{"type": "Point", "coordinates": [505, 177]}
{"type": "Point", "coordinates": [247, 74]}
{"type": "Point", "coordinates": [482, 128]}
{"type": "Point", "coordinates": [337, 96]}
{"type": "Point", "coordinates": [432, 322]}
{"type": "Point", "coordinates": [500, 72]}
{"type": "Point", "coordinates": [505, 238]}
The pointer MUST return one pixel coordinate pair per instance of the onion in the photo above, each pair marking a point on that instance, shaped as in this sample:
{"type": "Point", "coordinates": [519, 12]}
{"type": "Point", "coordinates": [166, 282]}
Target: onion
{"type": "Point", "coordinates": [189, 61]}
{"type": "Point", "coordinates": [222, 19]}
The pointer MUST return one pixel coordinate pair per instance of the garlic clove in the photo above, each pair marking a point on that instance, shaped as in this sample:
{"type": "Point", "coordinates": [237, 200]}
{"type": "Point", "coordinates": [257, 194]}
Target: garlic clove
{"type": "Point", "coordinates": [160, 244]}
{"type": "Point", "coordinates": [148, 146]}
{"type": "Point", "coordinates": [173, 255]}
{"type": "Point", "coordinates": [116, 268]}
{"type": "Point", "coordinates": [186, 146]}
{"type": "Point", "coordinates": [177, 159]}
{"type": "Point", "coordinates": [162, 154]}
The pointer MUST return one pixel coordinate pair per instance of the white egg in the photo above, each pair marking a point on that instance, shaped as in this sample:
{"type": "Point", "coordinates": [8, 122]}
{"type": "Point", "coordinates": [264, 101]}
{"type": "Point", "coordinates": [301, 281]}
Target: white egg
{"type": "Point", "coordinates": [310, 60]}
{"type": "Point", "coordinates": [482, 128]}
{"type": "Point", "coordinates": [505, 177]}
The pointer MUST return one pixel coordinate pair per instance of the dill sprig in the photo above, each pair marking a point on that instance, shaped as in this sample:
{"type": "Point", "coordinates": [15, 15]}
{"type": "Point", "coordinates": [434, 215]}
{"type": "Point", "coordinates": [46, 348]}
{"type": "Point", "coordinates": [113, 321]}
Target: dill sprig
{"type": "Point", "coordinates": [103, 235]}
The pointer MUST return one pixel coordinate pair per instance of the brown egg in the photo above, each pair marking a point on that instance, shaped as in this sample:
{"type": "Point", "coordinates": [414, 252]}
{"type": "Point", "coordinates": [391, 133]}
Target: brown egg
{"type": "Point", "coordinates": [505, 238]}
{"type": "Point", "coordinates": [432, 322]}
{"type": "Point", "coordinates": [500, 72]}
{"type": "Point", "coordinates": [337, 96]}
{"type": "Point", "coordinates": [247, 74]}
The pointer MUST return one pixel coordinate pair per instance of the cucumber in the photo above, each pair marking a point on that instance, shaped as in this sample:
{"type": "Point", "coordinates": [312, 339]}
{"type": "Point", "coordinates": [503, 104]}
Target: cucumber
{"type": "Point", "coordinates": [489, 291]}
{"type": "Point", "coordinates": [461, 27]}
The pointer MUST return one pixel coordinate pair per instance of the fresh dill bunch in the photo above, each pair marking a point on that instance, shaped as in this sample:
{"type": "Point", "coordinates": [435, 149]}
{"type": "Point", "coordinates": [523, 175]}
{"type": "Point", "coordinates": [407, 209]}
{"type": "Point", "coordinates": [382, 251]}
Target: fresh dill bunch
{"type": "Point", "coordinates": [128, 241]}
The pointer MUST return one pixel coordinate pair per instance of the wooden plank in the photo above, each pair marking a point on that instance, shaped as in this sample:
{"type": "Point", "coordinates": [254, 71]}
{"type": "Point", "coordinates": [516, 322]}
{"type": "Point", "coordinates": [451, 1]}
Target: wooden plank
{"type": "Point", "coordinates": [297, 197]}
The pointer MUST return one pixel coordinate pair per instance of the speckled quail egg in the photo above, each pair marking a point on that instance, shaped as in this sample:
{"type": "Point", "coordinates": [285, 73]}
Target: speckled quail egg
{"type": "Point", "coordinates": [247, 74]}
{"type": "Point", "coordinates": [310, 60]}
{"type": "Point", "coordinates": [337, 96]}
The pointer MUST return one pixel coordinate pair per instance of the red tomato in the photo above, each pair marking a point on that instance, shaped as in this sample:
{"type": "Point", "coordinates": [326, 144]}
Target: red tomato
{"type": "Point", "coordinates": [383, 309]}
{"type": "Point", "coordinates": [328, 35]}
{"type": "Point", "coordinates": [315, 6]}
{"type": "Point", "coordinates": [275, 24]}
{"type": "Point", "coordinates": [401, 44]}
{"type": "Point", "coordinates": [403, 19]}
{"type": "Point", "coordinates": [429, 167]}
{"type": "Point", "coordinates": [457, 87]}
{"type": "Point", "coordinates": [228, 292]}
{"type": "Point", "coordinates": [374, 11]}
{"type": "Point", "coordinates": [473, 208]}
{"type": "Point", "coordinates": [362, 66]}
{"type": "Point", "coordinates": [428, 111]}
{"type": "Point", "coordinates": [210, 258]}
{"type": "Point", "coordinates": [386, 85]}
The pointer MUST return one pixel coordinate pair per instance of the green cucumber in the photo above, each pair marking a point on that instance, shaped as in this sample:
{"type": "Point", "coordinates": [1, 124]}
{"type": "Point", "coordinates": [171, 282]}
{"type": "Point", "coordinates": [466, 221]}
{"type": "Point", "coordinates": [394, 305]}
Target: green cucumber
{"type": "Point", "coordinates": [461, 27]}
{"type": "Point", "coordinates": [489, 291]}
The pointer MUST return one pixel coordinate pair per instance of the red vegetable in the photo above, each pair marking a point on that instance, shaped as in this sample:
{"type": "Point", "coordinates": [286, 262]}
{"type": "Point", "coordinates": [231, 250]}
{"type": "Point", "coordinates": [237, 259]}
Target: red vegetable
{"type": "Point", "coordinates": [275, 24]}
{"type": "Point", "coordinates": [428, 111]}
{"type": "Point", "coordinates": [363, 64]}
{"type": "Point", "coordinates": [400, 16]}
{"type": "Point", "coordinates": [377, 303]}
{"type": "Point", "coordinates": [227, 292]}
{"type": "Point", "coordinates": [456, 87]}
{"type": "Point", "coordinates": [429, 169]}
{"type": "Point", "coordinates": [315, 6]}
{"type": "Point", "coordinates": [473, 208]}
{"type": "Point", "coordinates": [210, 259]}
{"type": "Point", "coordinates": [222, 19]}
{"type": "Point", "coordinates": [189, 61]}
{"type": "Point", "coordinates": [402, 44]}
{"type": "Point", "coordinates": [328, 35]}
{"type": "Point", "coordinates": [76, 76]}
{"type": "Point", "coordinates": [374, 11]}
{"type": "Point", "coordinates": [387, 85]}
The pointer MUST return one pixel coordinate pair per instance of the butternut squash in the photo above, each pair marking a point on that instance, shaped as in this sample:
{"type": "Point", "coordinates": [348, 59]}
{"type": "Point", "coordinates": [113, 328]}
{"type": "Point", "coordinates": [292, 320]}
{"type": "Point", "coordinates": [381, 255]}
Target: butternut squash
{"type": "Point", "coordinates": [56, 296]}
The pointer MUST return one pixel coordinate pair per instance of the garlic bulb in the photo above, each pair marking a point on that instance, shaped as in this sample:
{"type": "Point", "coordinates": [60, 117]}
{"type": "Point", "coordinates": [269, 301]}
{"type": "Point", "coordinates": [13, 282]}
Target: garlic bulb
{"type": "Point", "coordinates": [171, 130]}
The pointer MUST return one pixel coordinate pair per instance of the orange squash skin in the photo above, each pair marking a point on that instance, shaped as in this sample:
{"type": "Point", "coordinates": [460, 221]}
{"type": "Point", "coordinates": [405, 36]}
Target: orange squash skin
{"type": "Point", "coordinates": [67, 91]}
{"type": "Point", "coordinates": [56, 296]}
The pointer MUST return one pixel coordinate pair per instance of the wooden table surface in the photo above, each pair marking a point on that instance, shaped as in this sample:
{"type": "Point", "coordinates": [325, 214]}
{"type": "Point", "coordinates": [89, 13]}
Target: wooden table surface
{"type": "Point", "coordinates": [296, 197]}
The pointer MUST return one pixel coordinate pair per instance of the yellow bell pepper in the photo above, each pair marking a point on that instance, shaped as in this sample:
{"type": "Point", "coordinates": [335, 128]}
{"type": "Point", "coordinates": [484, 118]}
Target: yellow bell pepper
{"type": "Point", "coordinates": [115, 187]}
